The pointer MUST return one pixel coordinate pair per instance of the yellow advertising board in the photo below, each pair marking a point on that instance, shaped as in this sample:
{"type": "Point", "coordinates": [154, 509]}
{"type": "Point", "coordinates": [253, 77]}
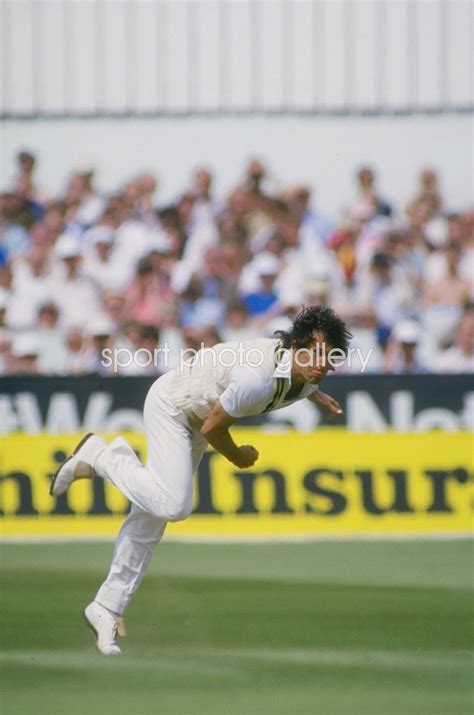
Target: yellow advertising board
{"type": "Point", "coordinates": [328, 483]}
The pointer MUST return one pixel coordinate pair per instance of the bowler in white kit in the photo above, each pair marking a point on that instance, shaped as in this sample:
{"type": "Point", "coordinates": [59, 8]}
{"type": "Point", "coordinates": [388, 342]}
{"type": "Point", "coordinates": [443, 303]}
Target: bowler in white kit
{"type": "Point", "coordinates": [185, 410]}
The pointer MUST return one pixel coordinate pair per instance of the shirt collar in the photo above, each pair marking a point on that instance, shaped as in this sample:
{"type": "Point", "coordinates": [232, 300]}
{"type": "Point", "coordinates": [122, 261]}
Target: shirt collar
{"type": "Point", "coordinates": [282, 358]}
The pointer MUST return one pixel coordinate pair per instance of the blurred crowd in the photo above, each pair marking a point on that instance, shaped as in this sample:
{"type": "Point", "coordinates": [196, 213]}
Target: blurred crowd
{"type": "Point", "coordinates": [84, 271]}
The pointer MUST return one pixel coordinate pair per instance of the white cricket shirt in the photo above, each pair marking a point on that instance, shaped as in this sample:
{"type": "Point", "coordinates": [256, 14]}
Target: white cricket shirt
{"type": "Point", "coordinates": [246, 377]}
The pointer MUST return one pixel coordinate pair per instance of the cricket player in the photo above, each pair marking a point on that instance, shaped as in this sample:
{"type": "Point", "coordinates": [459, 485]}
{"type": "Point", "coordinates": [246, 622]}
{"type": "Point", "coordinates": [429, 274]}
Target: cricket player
{"type": "Point", "coordinates": [185, 410]}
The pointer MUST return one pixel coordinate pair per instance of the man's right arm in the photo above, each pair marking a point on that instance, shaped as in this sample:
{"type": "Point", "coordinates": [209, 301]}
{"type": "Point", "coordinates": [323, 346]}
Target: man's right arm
{"type": "Point", "coordinates": [216, 430]}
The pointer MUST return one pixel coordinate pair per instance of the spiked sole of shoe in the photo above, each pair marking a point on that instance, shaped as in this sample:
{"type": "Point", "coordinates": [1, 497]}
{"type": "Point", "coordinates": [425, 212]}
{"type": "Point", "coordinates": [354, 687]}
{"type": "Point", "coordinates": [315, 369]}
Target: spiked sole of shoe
{"type": "Point", "coordinates": [77, 448]}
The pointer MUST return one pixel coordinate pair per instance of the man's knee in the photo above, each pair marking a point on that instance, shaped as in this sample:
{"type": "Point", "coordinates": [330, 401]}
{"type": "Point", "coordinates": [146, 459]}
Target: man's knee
{"type": "Point", "coordinates": [177, 510]}
{"type": "Point", "coordinates": [179, 513]}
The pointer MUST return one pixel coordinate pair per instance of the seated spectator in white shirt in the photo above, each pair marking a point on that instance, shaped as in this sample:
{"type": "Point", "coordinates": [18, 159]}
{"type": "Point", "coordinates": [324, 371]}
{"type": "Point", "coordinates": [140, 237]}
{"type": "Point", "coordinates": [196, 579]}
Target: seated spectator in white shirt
{"type": "Point", "coordinates": [443, 300]}
{"type": "Point", "coordinates": [131, 243]}
{"type": "Point", "coordinates": [80, 192]}
{"type": "Point", "coordinates": [198, 310]}
{"type": "Point", "coordinates": [205, 208]}
{"type": "Point", "coordinates": [197, 338]}
{"type": "Point", "coordinates": [250, 277]}
{"type": "Point", "coordinates": [145, 206]}
{"type": "Point", "coordinates": [238, 324]}
{"type": "Point", "coordinates": [460, 356]}
{"type": "Point", "coordinates": [25, 351]}
{"type": "Point", "coordinates": [380, 291]}
{"type": "Point", "coordinates": [75, 295]}
{"type": "Point", "coordinates": [76, 352]}
{"type": "Point", "coordinates": [313, 223]}
{"type": "Point", "coordinates": [100, 263]}
{"type": "Point", "coordinates": [52, 225]}
{"type": "Point", "coordinates": [145, 358]}
{"type": "Point", "coordinates": [51, 341]}
{"type": "Point", "coordinates": [368, 203]}
{"type": "Point", "coordinates": [6, 356]}
{"type": "Point", "coordinates": [32, 285]}
{"type": "Point", "coordinates": [366, 355]}
{"type": "Point", "coordinates": [428, 194]}
{"type": "Point", "coordinates": [202, 235]}
{"type": "Point", "coordinates": [115, 309]}
{"type": "Point", "coordinates": [458, 232]}
{"type": "Point", "coordinates": [100, 333]}
{"type": "Point", "coordinates": [401, 355]}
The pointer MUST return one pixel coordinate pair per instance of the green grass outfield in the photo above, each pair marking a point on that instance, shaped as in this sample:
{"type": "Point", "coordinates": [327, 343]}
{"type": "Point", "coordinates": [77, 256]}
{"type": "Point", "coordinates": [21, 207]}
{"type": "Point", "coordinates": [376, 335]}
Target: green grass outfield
{"type": "Point", "coordinates": [360, 628]}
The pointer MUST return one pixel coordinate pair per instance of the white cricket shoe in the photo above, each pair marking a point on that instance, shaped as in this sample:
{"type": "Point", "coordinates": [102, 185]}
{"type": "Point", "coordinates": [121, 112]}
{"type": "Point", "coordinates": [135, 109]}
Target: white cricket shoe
{"type": "Point", "coordinates": [79, 465]}
{"type": "Point", "coordinates": [105, 627]}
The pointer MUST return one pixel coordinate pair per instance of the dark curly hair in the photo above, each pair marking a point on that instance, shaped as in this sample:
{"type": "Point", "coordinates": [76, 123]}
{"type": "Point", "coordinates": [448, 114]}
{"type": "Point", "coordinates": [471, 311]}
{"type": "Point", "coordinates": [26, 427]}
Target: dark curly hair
{"type": "Point", "coordinates": [316, 318]}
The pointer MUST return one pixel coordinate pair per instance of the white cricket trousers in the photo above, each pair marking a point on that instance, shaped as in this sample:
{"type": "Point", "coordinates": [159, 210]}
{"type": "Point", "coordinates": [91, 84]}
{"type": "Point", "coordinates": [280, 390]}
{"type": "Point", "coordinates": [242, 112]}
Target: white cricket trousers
{"type": "Point", "coordinates": [161, 491]}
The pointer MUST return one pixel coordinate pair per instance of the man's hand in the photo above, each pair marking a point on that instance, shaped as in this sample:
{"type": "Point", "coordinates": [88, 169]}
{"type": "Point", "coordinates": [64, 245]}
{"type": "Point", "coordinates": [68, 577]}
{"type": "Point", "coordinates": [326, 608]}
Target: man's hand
{"type": "Point", "coordinates": [329, 403]}
{"type": "Point", "coordinates": [216, 430]}
{"type": "Point", "coordinates": [247, 456]}
{"type": "Point", "coordinates": [333, 407]}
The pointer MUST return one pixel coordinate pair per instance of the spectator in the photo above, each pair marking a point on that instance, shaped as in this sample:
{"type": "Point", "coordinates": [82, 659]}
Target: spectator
{"type": "Point", "coordinates": [52, 225]}
{"type": "Point", "coordinates": [143, 295]}
{"type": "Point", "coordinates": [200, 310]}
{"type": "Point", "coordinates": [6, 355]}
{"type": "Point", "coordinates": [401, 354]}
{"type": "Point", "coordinates": [444, 299]}
{"type": "Point", "coordinates": [205, 208]}
{"type": "Point", "coordinates": [25, 188]}
{"type": "Point", "coordinates": [239, 326]}
{"type": "Point", "coordinates": [4, 298]}
{"type": "Point", "coordinates": [366, 354]}
{"type": "Point", "coordinates": [114, 307]}
{"type": "Point", "coordinates": [100, 264]}
{"type": "Point", "coordinates": [76, 356]}
{"type": "Point", "coordinates": [387, 297]}
{"type": "Point", "coordinates": [74, 293]}
{"type": "Point", "coordinates": [460, 356]}
{"type": "Point", "coordinates": [193, 264]}
{"type": "Point", "coordinates": [263, 299]}
{"type": "Point", "coordinates": [312, 222]}
{"type": "Point", "coordinates": [368, 203]}
{"type": "Point", "coordinates": [52, 352]}
{"type": "Point", "coordinates": [145, 356]}
{"type": "Point", "coordinates": [25, 351]}
{"type": "Point", "coordinates": [100, 333]}
{"type": "Point", "coordinates": [145, 208]}
{"type": "Point", "coordinates": [26, 163]}
{"type": "Point", "coordinates": [32, 285]}
{"type": "Point", "coordinates": [14, 234]}
{"type": "Point", "coordinates": [428, 196]}
{"type": "Point", "coordinates": [86, 203]}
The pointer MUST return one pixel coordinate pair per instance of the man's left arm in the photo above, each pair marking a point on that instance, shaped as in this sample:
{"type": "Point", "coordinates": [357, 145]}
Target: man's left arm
{"type": "Point", "coordinates": [329, 403]}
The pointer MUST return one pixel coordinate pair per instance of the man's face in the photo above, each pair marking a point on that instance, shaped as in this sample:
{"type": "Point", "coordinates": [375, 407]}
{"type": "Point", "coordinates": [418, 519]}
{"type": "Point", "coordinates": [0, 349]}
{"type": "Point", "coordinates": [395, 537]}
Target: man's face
{"type": "Point", "coordinates": [203, 181]}
{"type": "Point", "coordinates": [72, 264]}
{"type": "Point", "coordinates": [267, 282]}
{"type": "Point", "coordinates": [103, 250]}
{"type": "Point", "coordinates": [465, 332]}
{"type": "Point", "coordinates": [366, 178]}
{"type": "Point", "coordinates": [311, 364]}
{"type": "Point", "coordinates": [452, 257]}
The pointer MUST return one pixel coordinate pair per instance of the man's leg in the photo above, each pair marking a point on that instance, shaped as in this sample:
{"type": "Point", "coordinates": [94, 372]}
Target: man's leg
{"type": "Point", "coordinates": [138, 537]}
{"type": "Point", "coordinates": [164, 487]}
{"type": "Point", "coordinates": [160, 492]}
